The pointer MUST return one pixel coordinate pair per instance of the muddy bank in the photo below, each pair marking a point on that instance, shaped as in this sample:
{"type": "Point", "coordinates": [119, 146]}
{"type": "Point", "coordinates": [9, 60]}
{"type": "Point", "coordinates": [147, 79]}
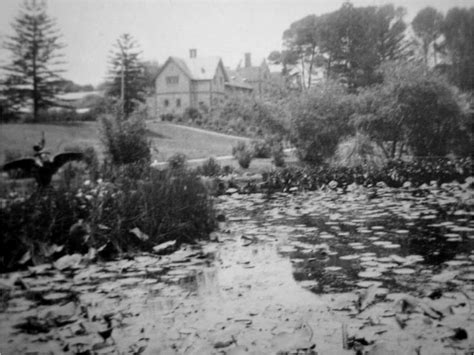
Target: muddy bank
{"type": "Point", "coordinates": [318, 272]}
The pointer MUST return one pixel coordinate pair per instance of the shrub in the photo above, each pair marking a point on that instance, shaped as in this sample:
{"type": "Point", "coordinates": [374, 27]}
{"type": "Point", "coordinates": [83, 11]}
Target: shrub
{"type": "Point", "coordinates": [243, 154]}
{"type": "Point", "coordinates": [177, 161]}
{"type": "Point", "coordinates": [414, 110]}
{"type": "Point", "coordinates": [278, 154]}
{"type": "Point", "coordinates": [192, 114]}
{"type": "Point", "coordinates": [227, 170]}
{"type": "Point", "coordinates": [209, 168]}
{"type": "Point", "coordinates": [357, 151]}
{"type": "Point", "coordinates": [88, 168]}
{"type": "Point", "coordinates": [261, 148]}
{"type": "Point", "coordinates": [125, 141]}
{"type": "Point", "coordinates": [320, 119]}
{"type": "Point", "coordinates": [168, 117]}
{"type": "Point", "coordinates": [394, 174]}
{"type": "Point", "coordinates": [160, 204]}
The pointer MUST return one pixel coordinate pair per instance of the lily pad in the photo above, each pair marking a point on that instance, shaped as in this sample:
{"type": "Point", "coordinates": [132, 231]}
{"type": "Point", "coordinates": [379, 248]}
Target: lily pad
{"type": "Point", "coordinates": [403, 271]}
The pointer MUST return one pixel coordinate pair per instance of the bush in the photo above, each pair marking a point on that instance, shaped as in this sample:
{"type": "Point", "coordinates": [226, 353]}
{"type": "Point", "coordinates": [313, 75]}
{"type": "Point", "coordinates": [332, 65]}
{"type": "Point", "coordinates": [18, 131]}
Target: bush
{"type": "Point", "coordinates": [209, 168]}
{"type": "Point", "coordinates": [320, 119]}
{"type": "Point", "coordinates": [358, 151]}
{"type": "Point", "coordinates": [125, 141]}
{"type": "Point", "coordinates": [87, 169]}
{"type": "Point", "coordinates": [161, 204]}
{"type": "Point", "coordinates": [415, 110]}
{"type": "Point", "coordinates": [243, 154]}
{"type": "Point", "coordinates": [168, 117]}
{"type": "Point", "coordinates": [394, 174]}
{"type": "Point", "coordinates": [278, 154]}
{"type": "Point", "coordinates": [261, 148]}
{"type": "Point", "coordinates": [192, 114]}
{"type": "Point", "coordinates": [177, 161]}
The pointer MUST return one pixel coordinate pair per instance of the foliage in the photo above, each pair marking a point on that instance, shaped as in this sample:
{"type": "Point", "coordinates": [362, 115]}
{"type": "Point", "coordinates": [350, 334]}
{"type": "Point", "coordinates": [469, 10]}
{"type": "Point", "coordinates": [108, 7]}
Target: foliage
{"type": "Point", "coordinates": [150, 72]}
{"type": "Point", "coordinates": [278, 155]}
{"type": "Point", "coordinates": [168, 117]}
{"type": "Point", "coordinates": [320, 118]}
{"type": "Point", "coordinates": [413, 109]}
{"type": "Point", "coordinates": [125, 141]}
{"type": "Point", "coordinates": [394, 174]}
{"type": "Point", "coordinates": [90, 159]}
{"type": "Point", "coordinates": [247, 116]}
{"type": "Point", "coordinates": [161, 204]}
{"type": "Point", "coordinates": [427, 26]}
{"type": "Point", "coordinates": [458, 30]}
{"type": "Point", "coordinates": [209, 168]}
{"type": "Point", "coordinates": [350, 43]}
{"type": "Point", "coordinates": [261, 148]}
{"type": "Point", "coordinates": [357, 151]}
{"type": "Point", "coordinates": [177, 161]}
{"type": "Point", "coordinates": [126, 80]}
{"type": "Point", "coordinates": [243, 154]}
{"type": "Point", "coordinates": [192, 114]}
{"type": "Point", "coordinates": [35, 59]}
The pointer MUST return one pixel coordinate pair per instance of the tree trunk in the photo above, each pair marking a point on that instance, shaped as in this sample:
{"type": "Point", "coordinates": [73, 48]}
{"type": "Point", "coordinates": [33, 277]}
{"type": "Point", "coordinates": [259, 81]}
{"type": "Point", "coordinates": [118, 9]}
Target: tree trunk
{"type": "Point", "coordinates": [311, 67]}
{"type": "Point", "coordinates": [303, 80]}
{"type": "Point", "coordinates": [35, 74]}
{"type": "Point", "coordinates": [394, 149]}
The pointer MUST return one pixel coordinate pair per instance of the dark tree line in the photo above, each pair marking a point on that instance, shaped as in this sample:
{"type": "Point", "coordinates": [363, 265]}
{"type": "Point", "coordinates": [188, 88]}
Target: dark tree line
{"type": "Point", "coordinates": [351, 43]}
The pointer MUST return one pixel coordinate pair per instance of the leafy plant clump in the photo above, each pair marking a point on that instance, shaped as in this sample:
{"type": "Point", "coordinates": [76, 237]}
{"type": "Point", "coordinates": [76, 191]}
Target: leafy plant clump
{"type": "Point", "coordinates": [394, 174]}
{"type": "Point", "coordinates": [243, 154]}
{"type": "Point", "coordinates": [261, 148]}
{"type": "Point", "coordinates": [125, 140]}
{"type": "Point", "coordinates": [105, 216]}
{"type": "Point", "coordinates": [177, 161]}
{"type": "Point", "coordinates": [209, 168]}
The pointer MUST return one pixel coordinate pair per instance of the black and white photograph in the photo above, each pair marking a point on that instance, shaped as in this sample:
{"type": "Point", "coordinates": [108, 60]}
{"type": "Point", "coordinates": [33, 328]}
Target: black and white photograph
{"type": "Point", "coordinates": [230, 177]}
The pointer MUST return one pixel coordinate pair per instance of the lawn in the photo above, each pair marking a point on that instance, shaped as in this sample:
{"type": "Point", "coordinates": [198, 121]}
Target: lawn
{"type": "Point", "coordinates": [167, 139]}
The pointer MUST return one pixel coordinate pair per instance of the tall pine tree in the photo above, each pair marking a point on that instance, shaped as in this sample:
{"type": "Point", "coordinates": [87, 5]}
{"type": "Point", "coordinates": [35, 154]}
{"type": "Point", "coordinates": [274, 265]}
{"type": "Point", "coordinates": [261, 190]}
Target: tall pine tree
{"type": "Point", "coordinates": [35, 61]}
{"type": "Point", "coordinates": [126, 74]}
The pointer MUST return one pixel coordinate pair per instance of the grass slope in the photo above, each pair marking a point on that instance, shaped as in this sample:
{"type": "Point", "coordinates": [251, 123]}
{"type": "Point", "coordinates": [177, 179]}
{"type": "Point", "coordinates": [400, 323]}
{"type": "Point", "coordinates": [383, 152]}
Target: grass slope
{"type": "Point", "coordinates": [167, 139]}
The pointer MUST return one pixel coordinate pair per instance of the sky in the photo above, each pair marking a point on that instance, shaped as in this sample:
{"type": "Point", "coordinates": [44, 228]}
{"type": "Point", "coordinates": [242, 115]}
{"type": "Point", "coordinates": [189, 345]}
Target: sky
{"type": "Point", "coordinates": [163, 28]}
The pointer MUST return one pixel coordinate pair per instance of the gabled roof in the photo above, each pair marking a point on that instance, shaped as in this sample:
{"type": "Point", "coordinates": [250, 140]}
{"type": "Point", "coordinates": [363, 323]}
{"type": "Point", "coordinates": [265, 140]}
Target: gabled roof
{"type": "Point", "coordinates": [250, 74]}
{"type": "Point", "coordinates": [201, 68]}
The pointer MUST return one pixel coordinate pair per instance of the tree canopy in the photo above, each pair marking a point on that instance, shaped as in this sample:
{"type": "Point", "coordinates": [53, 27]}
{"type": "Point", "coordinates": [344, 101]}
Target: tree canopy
{"type": "Point", "coordinates": [126, 81]}
{"type": "Point", "coordinates": [350, 43]}
{"type": "Point", "coordinates": [427, 26]}
{"type": "Point", "coordinates": [34, 67]}
{"type": "Point", "coordinates": [458, 30]}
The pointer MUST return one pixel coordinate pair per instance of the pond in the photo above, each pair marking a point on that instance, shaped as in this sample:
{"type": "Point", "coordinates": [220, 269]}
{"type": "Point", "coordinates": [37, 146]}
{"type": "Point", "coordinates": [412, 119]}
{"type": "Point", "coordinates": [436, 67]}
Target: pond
{"type": "Point", "coordinates": [341, 242]}
{"type": "Point", "coordinates": [247, 289]}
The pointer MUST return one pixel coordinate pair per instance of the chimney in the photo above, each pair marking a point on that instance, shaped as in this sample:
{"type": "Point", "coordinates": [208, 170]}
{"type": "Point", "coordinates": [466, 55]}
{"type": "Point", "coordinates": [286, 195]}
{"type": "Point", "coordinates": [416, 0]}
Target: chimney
{"type": "Point", "coordinates": [193, 53]}
{"type": "Point", "coordinates": [248, 60]}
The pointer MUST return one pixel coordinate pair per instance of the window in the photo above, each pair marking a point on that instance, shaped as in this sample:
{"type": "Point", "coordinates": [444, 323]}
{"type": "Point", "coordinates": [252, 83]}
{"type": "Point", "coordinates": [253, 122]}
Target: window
{"type": "Point", "coordinates": [167, 103]}
{"type": "Point", "coordinates": [172, 79]}
{"type": "Point", "coordinates": [178, 102]}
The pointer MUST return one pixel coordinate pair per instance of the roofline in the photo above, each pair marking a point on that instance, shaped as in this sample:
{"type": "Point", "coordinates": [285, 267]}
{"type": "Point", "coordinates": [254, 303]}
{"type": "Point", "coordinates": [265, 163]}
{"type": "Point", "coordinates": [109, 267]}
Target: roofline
{"type": "Point", "coordinates": [172, 59]}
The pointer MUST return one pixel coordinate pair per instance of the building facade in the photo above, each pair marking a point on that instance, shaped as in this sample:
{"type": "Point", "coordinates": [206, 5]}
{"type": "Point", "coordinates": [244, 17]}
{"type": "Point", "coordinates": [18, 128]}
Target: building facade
{"type": "Point", "coordinates": [257, 77]}
{"type": "Point", "coordinates": [193, 82]}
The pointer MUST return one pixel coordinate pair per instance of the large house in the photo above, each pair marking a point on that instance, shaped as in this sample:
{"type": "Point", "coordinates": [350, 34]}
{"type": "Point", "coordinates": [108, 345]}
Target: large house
{"type": "Point", "coordinates": [259, 77]}
{"type": "Point", "coordinates": [195, 82]}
